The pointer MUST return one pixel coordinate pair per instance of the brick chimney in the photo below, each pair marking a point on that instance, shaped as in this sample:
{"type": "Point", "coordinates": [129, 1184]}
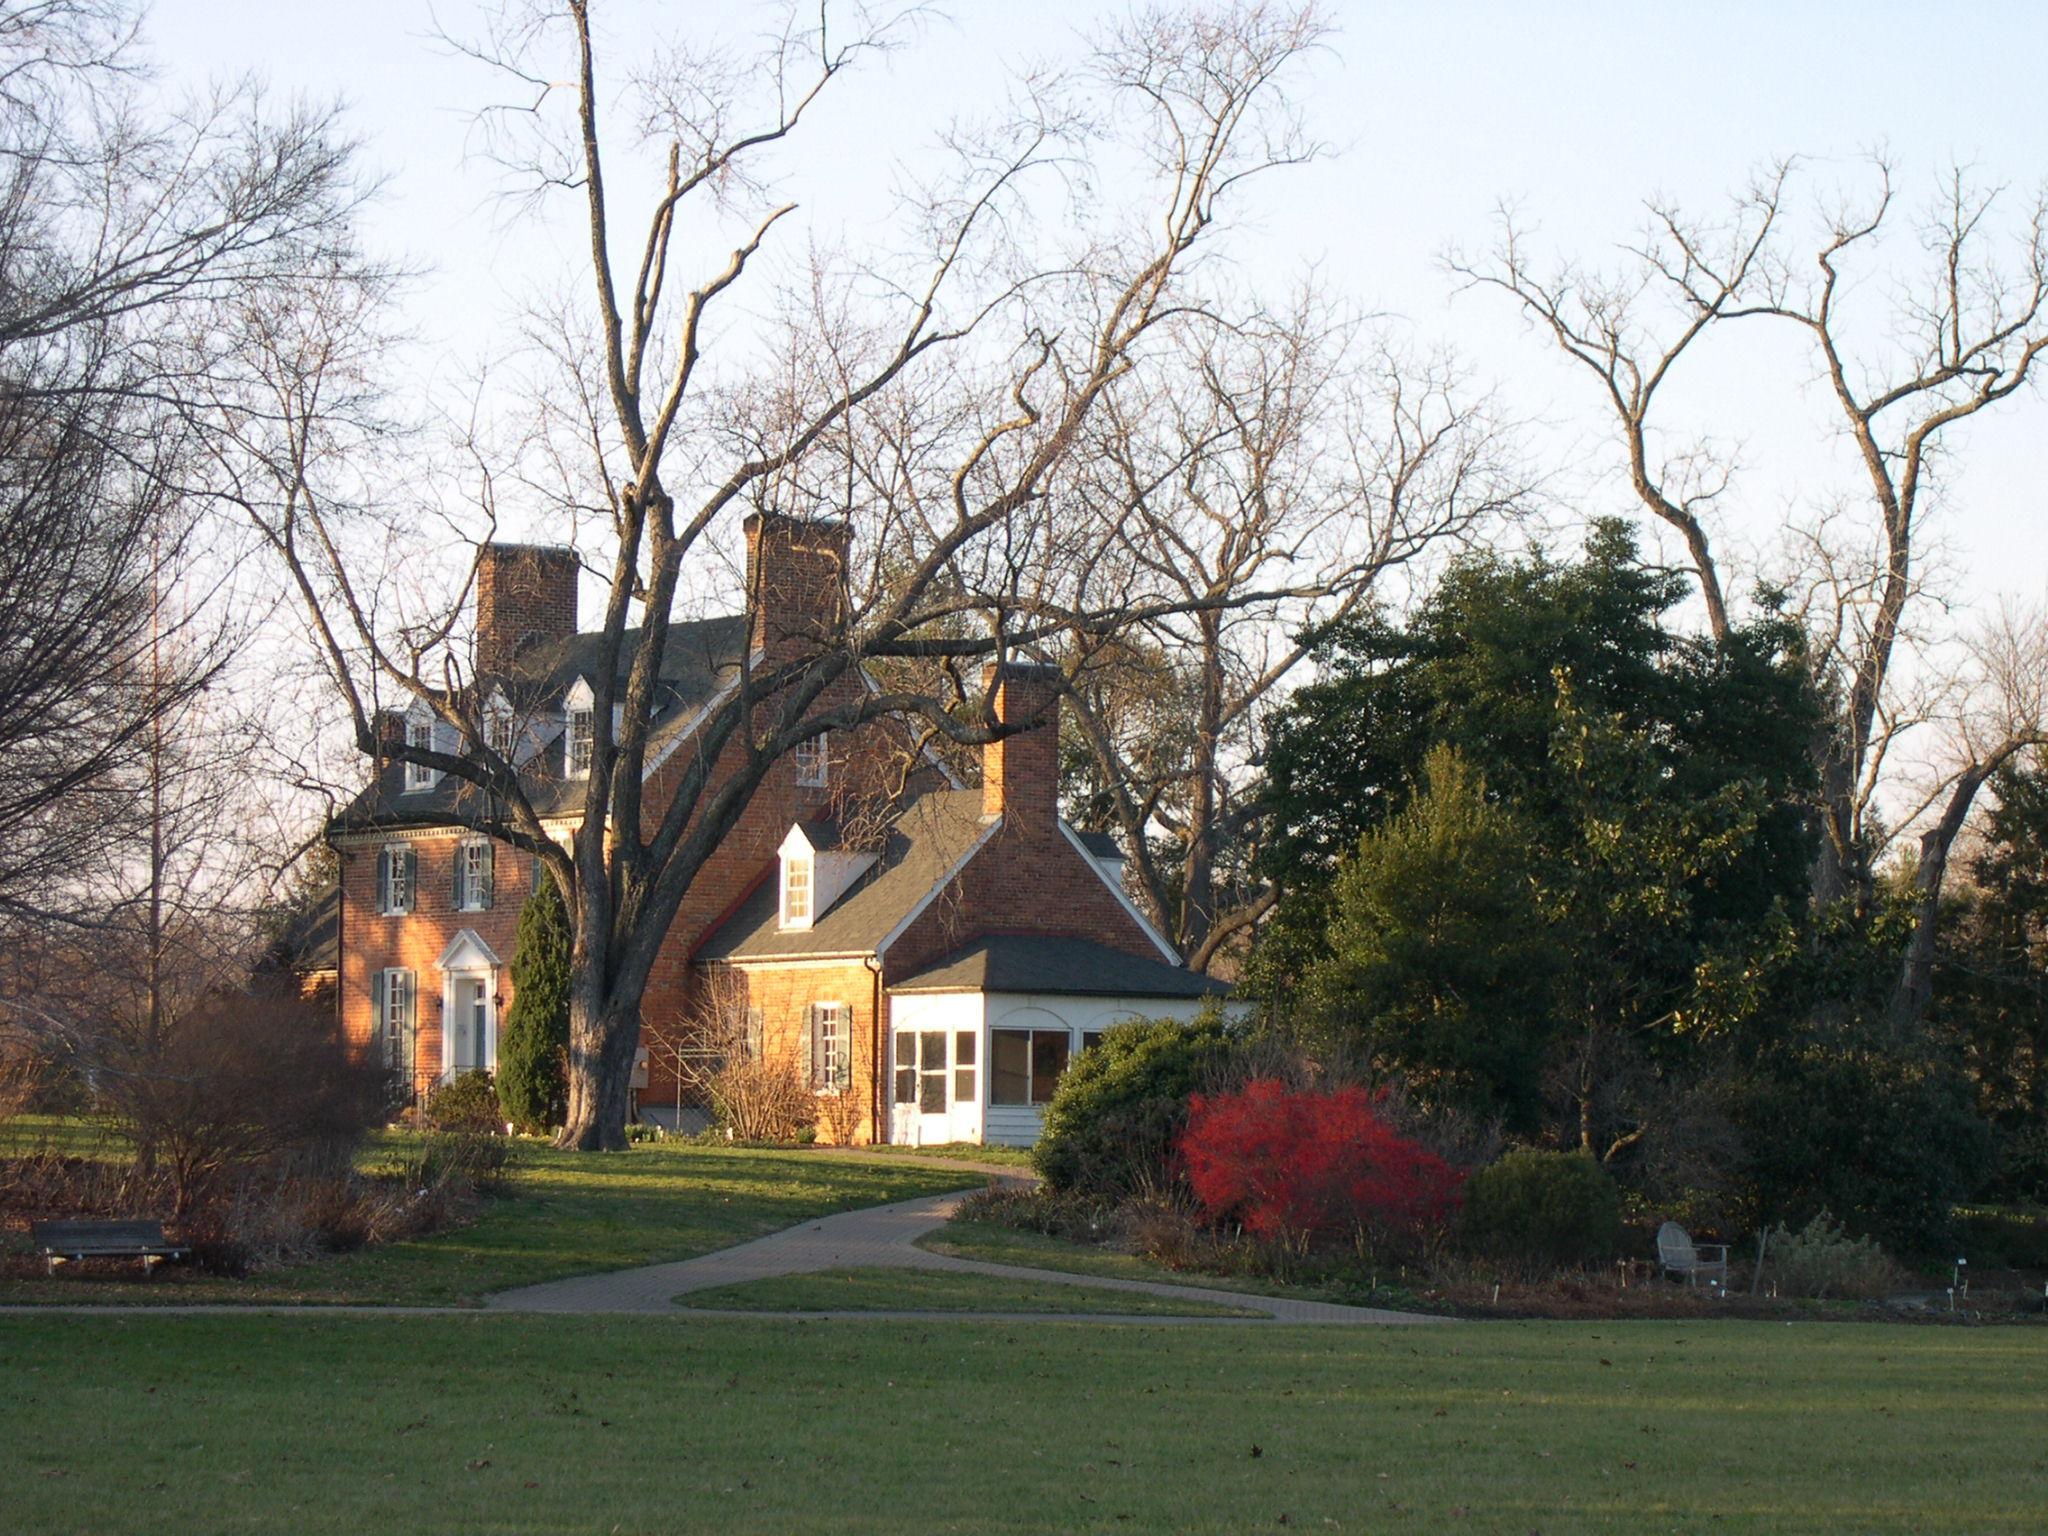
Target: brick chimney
{"type": "Point", "coordinates": [796, 580]}
{"type": "Point", "coordinates": [525, 597]}
{"type": "Point", "coordinates": [1020, 774]}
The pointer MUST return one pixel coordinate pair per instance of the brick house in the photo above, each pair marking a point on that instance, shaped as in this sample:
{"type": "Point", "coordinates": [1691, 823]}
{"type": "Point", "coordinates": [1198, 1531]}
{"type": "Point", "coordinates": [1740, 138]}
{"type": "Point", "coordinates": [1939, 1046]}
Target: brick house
{"type": "Point", "coordinates": [927, 961]}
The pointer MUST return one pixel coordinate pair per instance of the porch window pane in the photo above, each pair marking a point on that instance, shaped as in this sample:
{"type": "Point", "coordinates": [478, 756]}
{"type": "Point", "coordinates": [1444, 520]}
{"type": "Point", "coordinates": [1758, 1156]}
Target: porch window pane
{"type": "Point", "coordinates": [963, 1086]}
{"type": "Point", "coordinates": [1048, 1061]}
{"type": "Point", "coordinates": [1009, 1053]}
{"type": "Point", "coordinates": [931, 1047]}
{"type": "Point", "coordinates": [906, 1086]}
{"type": "Point", "coordinates": [963, 1048]}
{"type": "Point", "coordinates": [931, 1098]}
{"type": "Point", "coordinates": [906, 1050]}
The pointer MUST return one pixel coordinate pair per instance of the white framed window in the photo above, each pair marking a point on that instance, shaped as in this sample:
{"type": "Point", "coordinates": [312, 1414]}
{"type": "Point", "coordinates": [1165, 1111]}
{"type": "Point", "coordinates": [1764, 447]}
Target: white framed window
{"type": "Point", "coordinates": [581, 736]}
{"type": "Point", "coordinates": [753, 1036]}
{"type": "Point", "coordinates": [813, 761]}
{"type": "Point", "coordinates": [1025, 1064]}
{"type": "Point", "coordinates": [831, 1051]}
{"type": "Point", "coordinates": [397, 880]}
{"type": "Point", "coordinates": [501, 732]}
{"type": "Point", "coordinates": [420, 733]}
{"type": "Point", "coordinates": [796, 892]}
{"type": "Point", "coordinates": [393, 997]}
{"type": "Point", "coordinates": [474, 862]}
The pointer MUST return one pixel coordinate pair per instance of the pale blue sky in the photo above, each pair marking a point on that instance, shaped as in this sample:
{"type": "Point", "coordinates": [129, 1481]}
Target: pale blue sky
{"type": "Point", "coordinates": [1575, 111]}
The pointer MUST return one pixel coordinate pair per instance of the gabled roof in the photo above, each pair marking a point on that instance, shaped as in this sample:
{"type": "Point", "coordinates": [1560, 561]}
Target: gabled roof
{"type": "Point", "coordinates": [698, 656]}
{"type": "Point", "coordinates": [928, 838]}
{"type": "Point", "coordinates": [1100, 845]}
{"type": "Point", "coordinates": [1004, 962]}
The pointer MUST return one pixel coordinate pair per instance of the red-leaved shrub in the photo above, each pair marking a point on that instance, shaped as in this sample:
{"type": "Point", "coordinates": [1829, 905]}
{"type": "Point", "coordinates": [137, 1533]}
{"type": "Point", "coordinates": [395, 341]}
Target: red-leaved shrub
{"type": "Point", "coordinates": [1296, 1164]}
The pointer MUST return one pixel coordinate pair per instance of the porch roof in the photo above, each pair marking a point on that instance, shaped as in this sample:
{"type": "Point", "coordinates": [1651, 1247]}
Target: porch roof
{"type": "Point", "coordinates": [1056, 967]}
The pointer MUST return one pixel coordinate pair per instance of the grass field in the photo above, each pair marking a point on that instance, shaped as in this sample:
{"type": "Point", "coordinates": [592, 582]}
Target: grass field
{"type": "Point", "coordinates": [565, 1214]}
{"type": "Point", "coordinates": [927, 1290]}
{"type": "Point", "coordinates": [150, 1423]}
{"type": "Point", "coordinates": [998, 1244]}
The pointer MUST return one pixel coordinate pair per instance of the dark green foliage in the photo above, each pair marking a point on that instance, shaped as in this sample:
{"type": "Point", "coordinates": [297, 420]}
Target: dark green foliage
{"type": "Point", "coordinates": [1437, 954]}
{"type": "Point", "coordinates": [466, 1103]}
{"type": "Point", "coordinates": [1477, 669]}
{"type": "Point", "coordinates": [1882, 1133]}
{"type": "Point", "coordinates": [1539, 1210]}
{"type": "Point", "coordinates": [1120, 1107]}
{"type": "Point", "coordinates": [535, 1036]}
{"type": "Point", "coordinates": [1991, 980]}
{"type": "Point", "coordinates": [1571, 925]}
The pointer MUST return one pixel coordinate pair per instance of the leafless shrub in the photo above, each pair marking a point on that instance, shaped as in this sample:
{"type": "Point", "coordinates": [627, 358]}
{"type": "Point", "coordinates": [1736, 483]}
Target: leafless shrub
{"type": "Point", "coordinates": [762, 1101]}
{"type": "Point", "coordinates": [237, 1081]}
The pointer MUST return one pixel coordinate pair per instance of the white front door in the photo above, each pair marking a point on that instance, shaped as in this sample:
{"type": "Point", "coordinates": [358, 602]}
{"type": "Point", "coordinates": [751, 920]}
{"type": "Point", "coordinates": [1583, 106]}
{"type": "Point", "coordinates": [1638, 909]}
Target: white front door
{"type": "Point", "coordinates": [472, 1032]}
{"type": "Point", "coordinates": [936, 1087]}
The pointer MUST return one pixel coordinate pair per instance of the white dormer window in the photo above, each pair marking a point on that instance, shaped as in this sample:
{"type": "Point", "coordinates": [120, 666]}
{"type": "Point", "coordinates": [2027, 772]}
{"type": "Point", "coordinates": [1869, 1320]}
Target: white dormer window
{"type": "Point", "coordinates": [815, 873]}
{"type": "Point", "coordinates": [813, 762]}
{"type": "Point", "coordinates": [501, 727]}
{"type": "Point", "coordinates": [581, 736]}
{"type": "Point", "coordinates": [420, 733]}
{"type": "Point", "coordinates": [796, 891]}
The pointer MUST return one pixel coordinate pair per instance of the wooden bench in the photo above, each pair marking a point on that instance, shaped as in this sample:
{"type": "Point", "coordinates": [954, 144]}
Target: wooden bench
{"type": "Point", "coordinates": [60, 1242]}
{"type": "Point", "coordinates": [1680, 1256]}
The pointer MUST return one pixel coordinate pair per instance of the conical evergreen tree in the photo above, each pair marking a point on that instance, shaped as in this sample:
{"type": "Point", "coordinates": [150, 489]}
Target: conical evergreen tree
{"type": "Point", "coordinates": [536, 1032]}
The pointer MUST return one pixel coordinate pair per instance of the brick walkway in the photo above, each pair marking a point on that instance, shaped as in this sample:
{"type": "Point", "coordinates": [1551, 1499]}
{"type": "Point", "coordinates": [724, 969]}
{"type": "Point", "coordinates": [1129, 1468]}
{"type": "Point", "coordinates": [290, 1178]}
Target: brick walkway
{"type": "Point", "coordinates": [884, 1237]}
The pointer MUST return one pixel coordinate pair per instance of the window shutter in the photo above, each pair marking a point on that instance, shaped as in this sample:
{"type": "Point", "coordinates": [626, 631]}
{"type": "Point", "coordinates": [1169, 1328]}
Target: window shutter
{"type": "Point", "coordinates": [412, 883]}
{"type": "Point", "coordinates": [486, 875]}
{"type": "Point", "coordinates": [455, 892]}
{"type": "Point", "coordinates": [383, 883]}
{"type": "Point", "coordinates": [817, 1046]}
{"type": "Point", "coordinates": [378, 1046]}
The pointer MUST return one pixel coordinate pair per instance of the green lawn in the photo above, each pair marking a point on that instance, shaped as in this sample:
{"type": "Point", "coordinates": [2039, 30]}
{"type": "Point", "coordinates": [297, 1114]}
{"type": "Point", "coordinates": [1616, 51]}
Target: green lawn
{"type": "Point", "coordinates": [998, 1244]}
{"type": "Point", "coordinates": [928, 1290]}
{"type": "Point", "coordinates": [966, 1152]}
{"type": "Point", "coordinates": [565, 1214]}
{"type": "Point", "coordinates": [150, 1423]}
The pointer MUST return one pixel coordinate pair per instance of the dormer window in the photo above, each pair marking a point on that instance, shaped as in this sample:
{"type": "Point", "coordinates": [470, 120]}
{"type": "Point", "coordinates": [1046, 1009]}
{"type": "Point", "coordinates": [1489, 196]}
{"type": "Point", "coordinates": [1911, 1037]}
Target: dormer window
{"type": "Point", "coordinates": [796, 891]}
{"type": "Point", "coordinates": [501, 728]}
{"type": "Point", "coordinates": [418, 776]}
{"type": "Point", "coordinates": [581, 736]}
{"type": "Point", "coordinates": [816, 872]}
{"type": "Point", "coordinates": [813, 762]}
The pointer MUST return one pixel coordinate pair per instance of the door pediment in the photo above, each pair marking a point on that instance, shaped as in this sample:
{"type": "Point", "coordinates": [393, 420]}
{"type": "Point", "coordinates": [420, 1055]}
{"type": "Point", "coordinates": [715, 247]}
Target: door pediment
{"type": "Point", "coordinates": [468, 952]}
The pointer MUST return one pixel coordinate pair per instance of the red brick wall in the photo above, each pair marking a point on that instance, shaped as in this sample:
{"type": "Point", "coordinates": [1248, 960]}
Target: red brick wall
{"type": "Point", "coordinates": [372, 941]}
{"type": "Point", "coordinates": [1026, 879]}
{"type": "Point", "coordinates": [784, 994]}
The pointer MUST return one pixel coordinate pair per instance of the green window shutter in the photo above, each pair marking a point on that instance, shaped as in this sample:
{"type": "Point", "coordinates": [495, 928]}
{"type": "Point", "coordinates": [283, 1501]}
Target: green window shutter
{"type": "Point", "coordinates": [383, 880]}
{"type": "Point", "coordinates": [379, 1046]}
{"type": "Point", "coordinates": [412, 878]}
{"type": "Point", "coordinates": [486, 876]}
{"type": "Point", "coordinates": [455, 879]}
{"type": "Point", "coordinates": [817, 1046]}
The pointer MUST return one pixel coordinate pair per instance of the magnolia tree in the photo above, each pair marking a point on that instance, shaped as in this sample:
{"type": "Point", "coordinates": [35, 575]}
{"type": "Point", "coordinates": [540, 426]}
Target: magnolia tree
{"type": "Point", "coordinates": [934, 398]}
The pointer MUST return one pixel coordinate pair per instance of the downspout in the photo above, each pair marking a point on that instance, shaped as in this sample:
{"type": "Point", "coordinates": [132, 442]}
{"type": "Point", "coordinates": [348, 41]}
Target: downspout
{"type": "Point", "coordinates": [877, 1103]}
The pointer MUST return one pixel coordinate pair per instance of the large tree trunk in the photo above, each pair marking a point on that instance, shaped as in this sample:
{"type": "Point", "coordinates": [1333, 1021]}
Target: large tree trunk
{"type": "Point", "coordinates": [604, 1035]}
{"type": "Point", "coordinates": [1915, 987]}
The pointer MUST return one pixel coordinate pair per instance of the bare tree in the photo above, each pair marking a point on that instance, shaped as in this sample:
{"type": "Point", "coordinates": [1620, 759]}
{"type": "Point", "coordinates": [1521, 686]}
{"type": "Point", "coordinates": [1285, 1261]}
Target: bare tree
{"type": "Point", "coordinates": [2003, 713]}
{"type": "Point", "coordinates": [930, 405]}
{"type": "Point", "coordinates": [1962, 335]}
{"type": "Point", "coordinates": [127, 230]}
{"type": "Point", "coordinates": [1269, 486]}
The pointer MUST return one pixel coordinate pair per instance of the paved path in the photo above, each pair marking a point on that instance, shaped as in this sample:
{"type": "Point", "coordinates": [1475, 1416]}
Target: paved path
{"type": "Point", "coordinates": [883, 1237]}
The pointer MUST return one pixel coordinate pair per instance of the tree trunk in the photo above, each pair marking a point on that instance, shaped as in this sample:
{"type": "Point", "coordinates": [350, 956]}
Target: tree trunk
{"type": "Point", "coordinates": [604, 1034]}
{"type": "Point", "coordinates": [1915, 987]}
